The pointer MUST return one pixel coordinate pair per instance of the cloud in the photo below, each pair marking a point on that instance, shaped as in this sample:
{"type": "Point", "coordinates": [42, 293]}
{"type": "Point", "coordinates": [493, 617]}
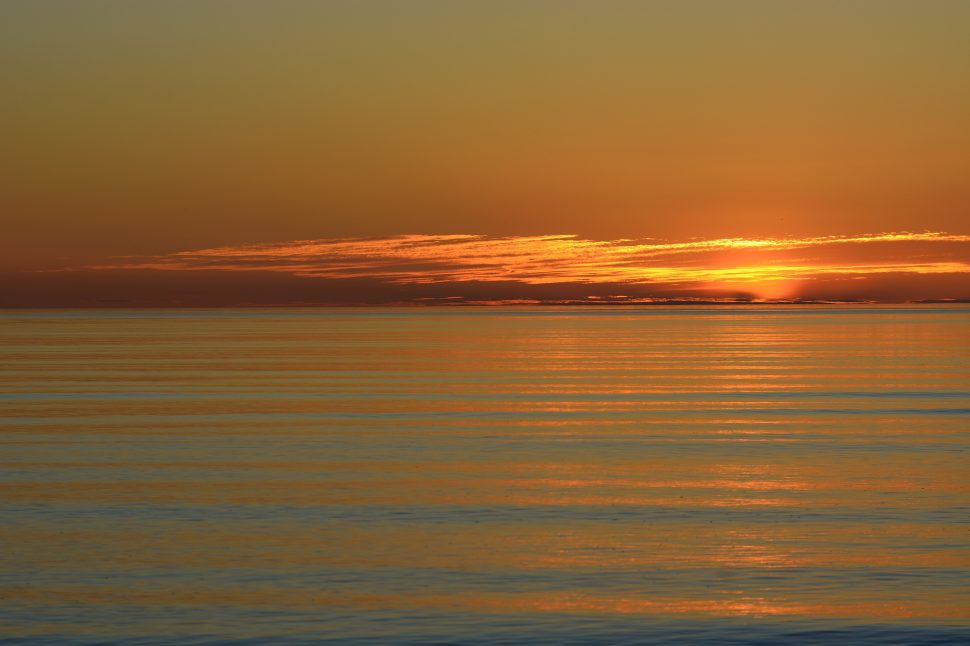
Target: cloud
{"type": "Point", "coordinates": [550, 259]}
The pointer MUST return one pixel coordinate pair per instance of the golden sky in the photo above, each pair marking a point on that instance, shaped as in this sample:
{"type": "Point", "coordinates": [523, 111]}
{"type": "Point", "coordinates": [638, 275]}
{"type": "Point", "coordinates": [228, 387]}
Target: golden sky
{"type": "Point", "coordinates": [495, 150]}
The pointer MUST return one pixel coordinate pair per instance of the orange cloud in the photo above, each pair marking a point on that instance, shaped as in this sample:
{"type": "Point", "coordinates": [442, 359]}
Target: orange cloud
{"type": "Point", "coordinates": [539, 260]}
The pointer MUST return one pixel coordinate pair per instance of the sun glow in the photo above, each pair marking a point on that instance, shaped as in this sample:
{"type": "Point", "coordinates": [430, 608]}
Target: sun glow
{"type": "Point", "coordinates": [761, 289]}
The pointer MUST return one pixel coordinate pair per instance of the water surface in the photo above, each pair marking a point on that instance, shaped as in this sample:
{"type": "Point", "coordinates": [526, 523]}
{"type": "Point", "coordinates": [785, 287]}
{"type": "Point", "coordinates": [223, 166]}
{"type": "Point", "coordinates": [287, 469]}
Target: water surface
{"type": "Point", "coordinates": [486, 475]}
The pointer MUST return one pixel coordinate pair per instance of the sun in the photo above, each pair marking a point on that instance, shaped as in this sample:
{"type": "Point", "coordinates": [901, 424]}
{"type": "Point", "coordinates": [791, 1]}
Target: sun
{"type": "Point", "coordinates": [775, 289]}
{"type": "Point", "coordinates": [764, 290]}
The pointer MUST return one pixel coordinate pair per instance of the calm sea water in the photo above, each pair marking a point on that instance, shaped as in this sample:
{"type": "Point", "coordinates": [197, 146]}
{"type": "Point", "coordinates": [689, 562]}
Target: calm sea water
{"type": "Point", "coordinates": [486, 475]}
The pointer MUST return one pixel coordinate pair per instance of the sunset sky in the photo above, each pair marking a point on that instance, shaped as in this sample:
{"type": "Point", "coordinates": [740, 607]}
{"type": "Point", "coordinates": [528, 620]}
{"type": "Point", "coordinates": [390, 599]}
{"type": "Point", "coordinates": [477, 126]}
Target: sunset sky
{"type": "Point", "coordinates": [237, 152]}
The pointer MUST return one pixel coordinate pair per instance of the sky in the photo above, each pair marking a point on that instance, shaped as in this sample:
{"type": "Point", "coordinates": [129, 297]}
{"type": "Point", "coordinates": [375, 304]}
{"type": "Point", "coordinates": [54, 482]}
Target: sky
{"type": "Point", "coordinates": [203, 152]}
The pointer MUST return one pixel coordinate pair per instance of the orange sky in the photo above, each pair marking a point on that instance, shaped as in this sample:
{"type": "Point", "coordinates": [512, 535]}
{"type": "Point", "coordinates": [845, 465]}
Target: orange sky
{"type": "Point", "coordinates": [169, 153]}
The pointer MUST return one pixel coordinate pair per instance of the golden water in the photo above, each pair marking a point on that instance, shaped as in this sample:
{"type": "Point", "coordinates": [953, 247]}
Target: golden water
{"type": "Point", "coordinates": [474, 475]}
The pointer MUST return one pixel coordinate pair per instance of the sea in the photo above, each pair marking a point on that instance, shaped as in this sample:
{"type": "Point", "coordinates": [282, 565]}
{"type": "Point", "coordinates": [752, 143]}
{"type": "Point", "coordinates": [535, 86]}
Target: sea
{"type": "Point", "coordinates": [745, 474]}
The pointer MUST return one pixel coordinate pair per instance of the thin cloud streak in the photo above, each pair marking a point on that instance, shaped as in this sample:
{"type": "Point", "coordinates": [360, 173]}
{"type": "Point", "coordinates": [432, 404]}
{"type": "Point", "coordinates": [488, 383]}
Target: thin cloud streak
{"type": "Point", "coordinates": [547, 259]}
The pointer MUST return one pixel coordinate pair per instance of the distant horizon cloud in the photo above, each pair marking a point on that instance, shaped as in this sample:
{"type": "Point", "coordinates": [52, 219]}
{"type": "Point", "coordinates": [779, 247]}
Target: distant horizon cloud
{"type": "Point", "coordinates": [564, 258]}
{"type": "Point", "coordinates": [442, 269]}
